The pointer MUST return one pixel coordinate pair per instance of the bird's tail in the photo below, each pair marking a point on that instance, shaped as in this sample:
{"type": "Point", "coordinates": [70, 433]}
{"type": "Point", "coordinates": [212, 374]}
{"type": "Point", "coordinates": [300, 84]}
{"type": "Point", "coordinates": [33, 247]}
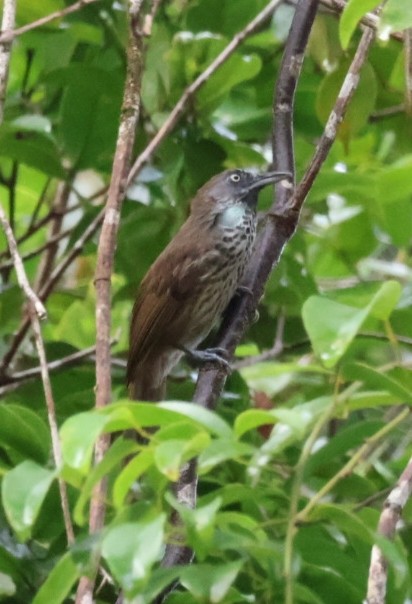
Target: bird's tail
{"type": "Point", "coordinates": [148, 381]}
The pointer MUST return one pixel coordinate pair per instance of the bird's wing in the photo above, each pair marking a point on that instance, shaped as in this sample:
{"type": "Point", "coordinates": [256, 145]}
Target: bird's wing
{"type": "Point", "coordinates": [161, 299]}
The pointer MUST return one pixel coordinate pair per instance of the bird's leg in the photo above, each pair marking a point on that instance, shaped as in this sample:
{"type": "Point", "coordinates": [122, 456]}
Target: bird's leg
{"type": "Point", "coordinates": [210, 355]}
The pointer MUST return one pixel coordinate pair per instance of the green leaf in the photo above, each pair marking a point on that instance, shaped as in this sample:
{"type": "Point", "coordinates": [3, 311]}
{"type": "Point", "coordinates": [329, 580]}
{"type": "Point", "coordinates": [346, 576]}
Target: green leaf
{"type": "Point", "coordinates": [343, 518]}
{"type": "Point", "coordinates": [348, 438]}
{"type": "Point", "coordinates": [221, 450]}
{"type": "Point", "coordinates": [32, 148]}
{"type": "Point", "coordinates": [25, 432]}
{"type": "Point", "coordinates": [200, 525]}
{"type": "Point", "coordinates": [78, 435]}
{"type": "Point", "coordinates": [292, 426]}
{"type": "Point", "coordinates": [7, 585]}
{"type": "Point", "coordinates": [23, 491]}
{"type": "Point", "coordinates": [377, 379]}
{"type": "Point", "coordinates": [351, 15]}
{"type": "Point", "coordinates": [208, 419]}
{"type": "Point", "coordinates": [332, 326]}
{"type": "Point", "coordinates": [394, 182]}
{"type": "Point", "coordinates": [59, 582]}
{"type": "Point", "coordinates": [237, 69]}
{"type": "Point", "coordinates": [131, 549]}
{"type": "Point", "coordinates": [396, 16]}
{"type": "Point", "coordinates": [120, 449]}
{"type": "Point", "coordinates": [133, 470]}
{"type": "Point", "coordinates": [170, 454]}
{"type": "Point", "coordinates": [209, 582]}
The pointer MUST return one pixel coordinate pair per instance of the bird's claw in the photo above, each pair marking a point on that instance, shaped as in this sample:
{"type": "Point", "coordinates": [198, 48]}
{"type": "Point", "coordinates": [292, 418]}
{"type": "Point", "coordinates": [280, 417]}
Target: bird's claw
{"type": "Point", "coordinates": [210, 355]}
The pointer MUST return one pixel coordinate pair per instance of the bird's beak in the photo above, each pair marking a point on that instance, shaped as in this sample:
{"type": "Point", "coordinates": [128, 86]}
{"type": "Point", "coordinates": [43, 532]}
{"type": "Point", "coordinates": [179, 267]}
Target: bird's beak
{"type": "Point", "coordinates": [266, 178]}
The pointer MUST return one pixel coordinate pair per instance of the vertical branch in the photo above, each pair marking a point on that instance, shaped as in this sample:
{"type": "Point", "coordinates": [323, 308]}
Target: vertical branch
{"type": "Point", "coordinates": [408, 70]}
{"type": "Point", "coordinates": [107, 243]}
{"type": "Point", "coordinates": [7, 24]}
{"type": "Point", "coordinates": [37, 312]}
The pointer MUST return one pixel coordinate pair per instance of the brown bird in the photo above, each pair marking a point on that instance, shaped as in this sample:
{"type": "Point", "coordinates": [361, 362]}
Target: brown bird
{"type": "Point", "coordinates": [191, 283]}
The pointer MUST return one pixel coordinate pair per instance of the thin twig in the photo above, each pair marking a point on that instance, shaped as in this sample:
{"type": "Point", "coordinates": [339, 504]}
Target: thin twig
{"type": "Point", "coordinates": [191, 90]}
{"type": "Point", "coordinates": [9, 34]}
{"type": "Point", "coordinates": [38, 250]}
{"type": "Point", "coordinates": [20, 272]}
{"type": "Point", "coordinates": [59, 206]}
{"type": "Point", "coordinates": [64, 362]}
{"type": "Point", "coordinates": [150, 17]}
{"type": "Point", "coordinates": [7, 24]}
{"type": "Point", "coordinates": [51, 414]}
{"type": "Point", "coordinates": [336, 116]}
{"type": "Point", "coordinates": [362, 453]}
{"type": "Point", "coordinates": [36, 226]}
{"type": "Point", "coordinates": [37, 312]}
{"type": "Point", "coordinates": [408, 70]}
{"type": "Point", "coordinates": [105, 257]}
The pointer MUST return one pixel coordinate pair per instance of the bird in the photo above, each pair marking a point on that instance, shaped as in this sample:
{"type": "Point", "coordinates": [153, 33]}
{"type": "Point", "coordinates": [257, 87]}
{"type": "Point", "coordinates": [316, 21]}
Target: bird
{"type": "Point", "coordinates": [188, 287]}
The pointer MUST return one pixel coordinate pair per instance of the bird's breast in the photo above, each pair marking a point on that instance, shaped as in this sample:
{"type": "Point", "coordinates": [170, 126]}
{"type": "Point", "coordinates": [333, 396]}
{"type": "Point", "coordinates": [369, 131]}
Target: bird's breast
{"type": "Point", "coordinates": [229, 258]}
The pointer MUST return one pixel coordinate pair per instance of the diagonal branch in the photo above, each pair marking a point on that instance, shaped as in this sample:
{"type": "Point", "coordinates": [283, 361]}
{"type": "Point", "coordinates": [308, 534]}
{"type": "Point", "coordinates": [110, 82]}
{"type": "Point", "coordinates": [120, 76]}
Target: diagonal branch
{"type": "Point", "coordinates": [9, 33]}
{"type": "Point", "coordinates": [37, 312]}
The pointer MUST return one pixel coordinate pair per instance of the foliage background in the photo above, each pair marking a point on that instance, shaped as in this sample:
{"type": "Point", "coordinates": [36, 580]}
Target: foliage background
{"type": "Point", "coordinates": [339, 303]}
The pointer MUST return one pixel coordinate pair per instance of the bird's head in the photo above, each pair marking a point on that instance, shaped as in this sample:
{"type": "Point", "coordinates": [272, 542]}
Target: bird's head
{"type": "Point", "coordinates": [230, 188]}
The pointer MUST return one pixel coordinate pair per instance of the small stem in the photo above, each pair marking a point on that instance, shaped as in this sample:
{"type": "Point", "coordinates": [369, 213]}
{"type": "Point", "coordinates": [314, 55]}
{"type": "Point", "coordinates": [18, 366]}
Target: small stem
{"type": "Point", "coordinates": [351, 464]}
{"type": "Point", "coordinates": [9, 34]}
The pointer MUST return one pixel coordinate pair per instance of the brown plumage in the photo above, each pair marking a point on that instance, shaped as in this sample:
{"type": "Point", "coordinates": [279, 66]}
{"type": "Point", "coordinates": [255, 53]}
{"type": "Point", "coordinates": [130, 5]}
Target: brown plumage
{"type": "Point", "coordinates": [190, 284]}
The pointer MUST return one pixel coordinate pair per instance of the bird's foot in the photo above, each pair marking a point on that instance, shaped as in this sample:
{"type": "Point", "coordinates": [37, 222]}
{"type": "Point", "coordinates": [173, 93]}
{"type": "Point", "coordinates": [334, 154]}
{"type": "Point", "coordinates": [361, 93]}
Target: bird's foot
{"type": "Point", "coordinates": [210, 355]}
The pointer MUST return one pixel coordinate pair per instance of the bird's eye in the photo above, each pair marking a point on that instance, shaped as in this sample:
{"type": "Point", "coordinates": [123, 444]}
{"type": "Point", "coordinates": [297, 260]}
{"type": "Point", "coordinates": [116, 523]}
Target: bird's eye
{"type": "Point", "coordinates": [235, 177]}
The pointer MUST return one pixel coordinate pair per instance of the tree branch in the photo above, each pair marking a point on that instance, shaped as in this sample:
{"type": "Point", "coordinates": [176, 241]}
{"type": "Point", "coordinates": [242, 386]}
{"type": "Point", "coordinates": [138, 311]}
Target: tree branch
{"type": "Point", "coordinates": [270, 245]}
{"type": "Point", "coordinates": [59, 207]}
{"type": "Point", "coordinates": [390, 516]}
{"type": "Point", "coordinates": [105, 257]}
{"type": "Point", "coordinates": [7, 24]}
{"type": "Point", "coordinates": [37, 312]}
{"type": "Point", "coordinates": [9, 33]}
{"type": "Point", "coordinates": [408, 70]}
{"type": "Point", "coordinates": [336, 116]}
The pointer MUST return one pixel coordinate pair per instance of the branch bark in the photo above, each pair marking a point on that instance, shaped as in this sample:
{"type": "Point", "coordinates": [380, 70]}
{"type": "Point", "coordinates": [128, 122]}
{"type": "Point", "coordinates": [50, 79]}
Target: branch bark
{"type": "Point", "coordinates": [388, 521]}
{"type": "Point", "coordinates": [7, 24]}
{"type": "Point", "coordinates": [107, 244]}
